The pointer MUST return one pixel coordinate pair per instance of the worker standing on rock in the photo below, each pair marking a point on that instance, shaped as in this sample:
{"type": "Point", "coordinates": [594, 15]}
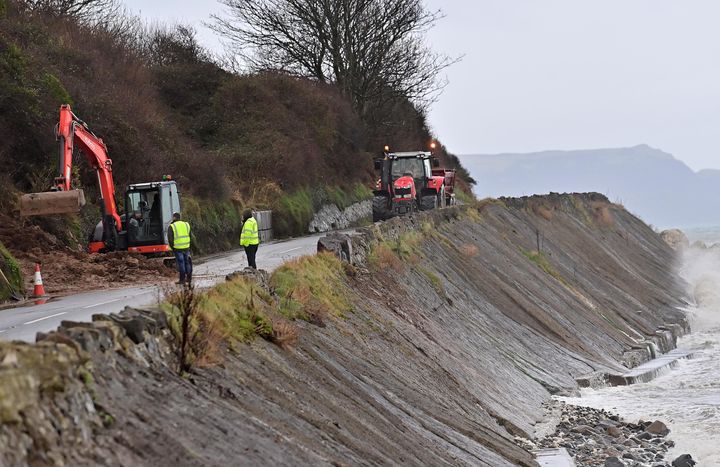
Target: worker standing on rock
{"type": "Point", "coordinates": [249, 237]}
{"type": "Point", "coordinates": [179, 240]}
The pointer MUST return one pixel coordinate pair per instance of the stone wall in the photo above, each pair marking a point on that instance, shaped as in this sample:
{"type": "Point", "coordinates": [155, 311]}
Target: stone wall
{"type": "Point", "coordinates": [331, 218]}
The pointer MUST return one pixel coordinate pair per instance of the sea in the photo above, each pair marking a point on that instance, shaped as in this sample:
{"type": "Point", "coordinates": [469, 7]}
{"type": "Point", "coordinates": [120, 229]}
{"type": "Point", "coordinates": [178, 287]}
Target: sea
{"type": "Point", "coordinates": [686, 397]}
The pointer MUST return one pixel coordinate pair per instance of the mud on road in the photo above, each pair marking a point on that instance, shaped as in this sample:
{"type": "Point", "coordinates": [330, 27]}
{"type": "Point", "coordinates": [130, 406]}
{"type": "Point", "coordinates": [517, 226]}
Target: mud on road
{"type": "Point", "coordinates": [65, 270]}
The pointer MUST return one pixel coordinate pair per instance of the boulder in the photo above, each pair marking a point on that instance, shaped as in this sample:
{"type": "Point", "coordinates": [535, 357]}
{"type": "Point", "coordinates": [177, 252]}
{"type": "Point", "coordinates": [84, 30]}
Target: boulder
{"type": "Point", "coordinates": [584, 430]}
{"type": "Point", "coordinates": [685, 460]}
{"type": "Point", "coordinates": [657, 428]}
{"type": "Point", "coordinates": [614, 431]}
{"type": "Point", "coordinates": [338, 244]}
{"type": "Point", "coordinates": [614, 462]}
{"type": "Point", "coordinates": [675, 238]}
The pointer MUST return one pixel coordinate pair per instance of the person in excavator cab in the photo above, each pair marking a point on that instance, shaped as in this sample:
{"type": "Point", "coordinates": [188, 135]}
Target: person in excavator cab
{"type": "Point", "coordinates": [135, 222]}
{"type": "Point", "coordinates": [179, 239]}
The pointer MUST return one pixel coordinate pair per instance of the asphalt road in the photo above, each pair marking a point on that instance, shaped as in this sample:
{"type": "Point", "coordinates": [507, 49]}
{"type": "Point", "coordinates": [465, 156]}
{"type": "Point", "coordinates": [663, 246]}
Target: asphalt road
{"type": "Point", "coordinates": [22, 323]}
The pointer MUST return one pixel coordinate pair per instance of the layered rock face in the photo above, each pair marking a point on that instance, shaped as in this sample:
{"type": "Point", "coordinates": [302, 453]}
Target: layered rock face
{"type": "Point", "coordinates": [464, 321]}
{"type": "Point", "coordinates": [330, 217]}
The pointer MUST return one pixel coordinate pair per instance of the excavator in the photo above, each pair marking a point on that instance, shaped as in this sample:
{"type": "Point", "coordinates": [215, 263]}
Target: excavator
{"type": "Point", "coordinates": [149, 206]}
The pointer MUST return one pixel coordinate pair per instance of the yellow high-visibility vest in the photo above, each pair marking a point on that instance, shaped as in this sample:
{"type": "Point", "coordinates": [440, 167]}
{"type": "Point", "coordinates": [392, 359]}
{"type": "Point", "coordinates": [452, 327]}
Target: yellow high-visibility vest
{"type": "Point", "coordinates": [181, 235]}
{"type": "Point", "coordinates": [249, 234]}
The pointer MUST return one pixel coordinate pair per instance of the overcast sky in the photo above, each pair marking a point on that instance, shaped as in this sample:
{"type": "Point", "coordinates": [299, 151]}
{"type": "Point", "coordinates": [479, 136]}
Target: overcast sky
{"type": "Point", "coordinates": [562, 74]}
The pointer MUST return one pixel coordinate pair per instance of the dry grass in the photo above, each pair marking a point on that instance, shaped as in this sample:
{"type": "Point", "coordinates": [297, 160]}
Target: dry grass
{"type": "Point", "coordinates": [285, 334]}
{"type": "Point", "coordinates": [311, 288]}
{"type": "Point", "coordinates": [544, 212]}
{"type": "Point", "coordinates": [384, 258]}
{"type": "Point", "coordinates": [198, 334]}
{"type": "Point", "coordinates": [602, 215]}
{"type": "Point", "coordinates": [469, 250]}
{"type": "Point", "coordinates": [207, 342]}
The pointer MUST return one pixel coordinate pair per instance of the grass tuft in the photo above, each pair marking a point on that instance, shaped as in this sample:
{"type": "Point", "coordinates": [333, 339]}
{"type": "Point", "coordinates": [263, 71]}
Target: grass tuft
{"type": "Point", "coordinates": [311, 287]}
{"type": "Point", "coordinates": [542, 262]}
{"type": "Point", "coordinates": [397, 253]}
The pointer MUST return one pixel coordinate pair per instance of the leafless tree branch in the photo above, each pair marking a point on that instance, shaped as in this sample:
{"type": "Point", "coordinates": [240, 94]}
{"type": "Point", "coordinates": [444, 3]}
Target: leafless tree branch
{"type": "Point", "coordinates": [373, 50]}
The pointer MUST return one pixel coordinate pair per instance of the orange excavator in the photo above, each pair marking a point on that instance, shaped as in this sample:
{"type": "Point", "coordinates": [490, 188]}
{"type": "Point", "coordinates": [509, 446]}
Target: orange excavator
{"type": "Point", "coordinates": [149, 206]}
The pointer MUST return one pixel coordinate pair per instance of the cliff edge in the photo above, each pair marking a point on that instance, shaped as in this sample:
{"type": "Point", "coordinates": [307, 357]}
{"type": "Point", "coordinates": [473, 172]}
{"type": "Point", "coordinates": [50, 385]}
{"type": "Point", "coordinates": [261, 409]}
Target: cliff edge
{"type": "Point", "coordinates": [436, 343]}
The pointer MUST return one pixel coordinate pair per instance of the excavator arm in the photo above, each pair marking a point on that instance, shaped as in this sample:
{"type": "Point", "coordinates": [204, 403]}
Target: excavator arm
{"type": "Point", "coordinates": [73, 132]}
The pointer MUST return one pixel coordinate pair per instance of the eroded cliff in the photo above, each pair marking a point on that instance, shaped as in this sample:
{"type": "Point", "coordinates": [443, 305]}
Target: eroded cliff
{"type": "Point", "coordinates": [456, 325]}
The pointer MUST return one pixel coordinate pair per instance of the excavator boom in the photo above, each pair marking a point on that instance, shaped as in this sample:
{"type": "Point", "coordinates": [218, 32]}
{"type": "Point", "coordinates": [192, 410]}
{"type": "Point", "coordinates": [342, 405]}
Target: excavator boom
{"type": "Point", "coordinates": [62, 198]}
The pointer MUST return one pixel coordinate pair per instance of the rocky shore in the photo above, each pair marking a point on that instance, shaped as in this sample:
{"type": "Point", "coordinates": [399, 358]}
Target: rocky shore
{"type": "Point", "coordinates": [596, 437]}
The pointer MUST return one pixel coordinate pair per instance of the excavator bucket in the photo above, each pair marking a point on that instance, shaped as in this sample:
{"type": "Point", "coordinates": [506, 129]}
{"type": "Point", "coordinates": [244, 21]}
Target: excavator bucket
{"type": "Point", "coordinates": [51, 202]}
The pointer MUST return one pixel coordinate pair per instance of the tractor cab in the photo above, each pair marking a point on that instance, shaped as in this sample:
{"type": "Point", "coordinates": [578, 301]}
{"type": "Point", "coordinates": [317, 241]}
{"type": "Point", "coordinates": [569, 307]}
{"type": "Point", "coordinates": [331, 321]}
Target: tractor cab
{"type": "Point", "coordinates": [406, 164]}
{"type": "Point", "coordinates": [148, 213]}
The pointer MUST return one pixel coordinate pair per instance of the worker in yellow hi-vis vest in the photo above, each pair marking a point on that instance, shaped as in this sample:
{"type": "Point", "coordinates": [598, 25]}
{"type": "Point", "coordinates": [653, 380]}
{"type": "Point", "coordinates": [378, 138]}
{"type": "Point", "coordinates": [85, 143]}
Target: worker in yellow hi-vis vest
{"type": "Point", "coordinates": [250, 237]}
{"type": "Point", "coordinates": [179, 240]}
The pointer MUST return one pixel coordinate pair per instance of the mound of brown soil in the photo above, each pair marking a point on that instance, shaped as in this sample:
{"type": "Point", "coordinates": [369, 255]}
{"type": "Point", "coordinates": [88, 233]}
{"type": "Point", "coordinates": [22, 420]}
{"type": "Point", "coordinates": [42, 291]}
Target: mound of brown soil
{"type": "Point", "coordinates": [66, 270]}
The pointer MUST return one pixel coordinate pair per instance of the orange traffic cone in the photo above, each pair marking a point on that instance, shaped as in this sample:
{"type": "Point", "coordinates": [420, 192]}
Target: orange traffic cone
{"type": "Point", "coordinates": [39, 287]}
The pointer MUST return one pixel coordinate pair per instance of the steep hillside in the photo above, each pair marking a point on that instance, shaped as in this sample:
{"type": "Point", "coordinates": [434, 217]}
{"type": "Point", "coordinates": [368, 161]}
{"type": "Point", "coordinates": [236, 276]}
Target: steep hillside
{"type": "Point", "coordinates": [163, 106]}
{"type": "Point", "coordinates": [438, 345]}
{"type": "Point", "coordinates": [649, 182]}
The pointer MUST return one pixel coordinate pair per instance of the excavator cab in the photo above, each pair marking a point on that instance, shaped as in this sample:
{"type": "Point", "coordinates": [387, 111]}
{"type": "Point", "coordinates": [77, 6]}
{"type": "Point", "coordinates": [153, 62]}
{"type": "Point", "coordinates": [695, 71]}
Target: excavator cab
{"type": "Point", "coordinates": [149, 208]}
{"type": "Point", "coordinates": [148, 213]}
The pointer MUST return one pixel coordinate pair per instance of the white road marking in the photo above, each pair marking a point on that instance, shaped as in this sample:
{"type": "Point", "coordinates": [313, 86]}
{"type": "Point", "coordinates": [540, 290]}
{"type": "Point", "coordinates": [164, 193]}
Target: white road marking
{"type": "Point", "coordinates": [46, 317]}
{"type": "Point", "coordinates": [104, 303]}
{"type": "Point", "coordinates": [291, 249]}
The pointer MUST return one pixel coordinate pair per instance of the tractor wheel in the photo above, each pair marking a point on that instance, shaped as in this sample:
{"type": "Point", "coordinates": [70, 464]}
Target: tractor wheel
{"type": "Point", "coordinates": [428, 202]}
{"type": "Point", "coordinates": [380, 208]}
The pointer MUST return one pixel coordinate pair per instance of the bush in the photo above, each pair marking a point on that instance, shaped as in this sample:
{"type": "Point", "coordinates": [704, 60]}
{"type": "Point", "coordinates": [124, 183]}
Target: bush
{"type": "Point", "coordinates": [10, 267]}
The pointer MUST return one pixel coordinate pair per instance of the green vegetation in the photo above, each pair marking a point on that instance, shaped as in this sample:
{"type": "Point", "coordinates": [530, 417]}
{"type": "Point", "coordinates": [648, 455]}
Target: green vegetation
{"type": "Point", "coordinates": [396, 254]}
{"type": "Point", "coordinates": [216, 225]}
{"type": "Point", "coordinates": [242, 308]}
{"type": "Point", "coordinates": [11, 269]}
{"type": "Point", "coordinates": [53, 85]}
{"type": "Point", "coordinates": [293, 212]}
{"type": "Point", "coordinates": [434, 280]}
{"type": "Point", "coordinates": [311, 287]}
{"type": "Point", "coordinates": [579, 205]}
{"type": "Point", "coordinates": [542, 262]}
{"type": "Point", "coordinates": [464, 197]}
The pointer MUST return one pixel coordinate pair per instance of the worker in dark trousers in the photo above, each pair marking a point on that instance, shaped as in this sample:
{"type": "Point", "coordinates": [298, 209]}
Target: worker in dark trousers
{"type": "Point", "coordinates": [179, 240]}
{"type": "Point", "coordinates": [250, 237]}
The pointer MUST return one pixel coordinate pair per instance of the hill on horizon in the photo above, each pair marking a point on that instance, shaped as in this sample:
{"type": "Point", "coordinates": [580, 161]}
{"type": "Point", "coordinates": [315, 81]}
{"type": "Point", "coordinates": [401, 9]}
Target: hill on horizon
{"type": "Point", "coordinates": [653, 184]}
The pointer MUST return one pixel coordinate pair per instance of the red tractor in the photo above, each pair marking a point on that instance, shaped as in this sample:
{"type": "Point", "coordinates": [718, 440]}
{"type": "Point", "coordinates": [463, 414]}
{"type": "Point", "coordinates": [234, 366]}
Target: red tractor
{"type": "Point", "coordinates": [408, 183]}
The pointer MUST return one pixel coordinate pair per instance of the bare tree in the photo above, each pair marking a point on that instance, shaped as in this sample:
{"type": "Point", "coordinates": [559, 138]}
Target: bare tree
{"type": "Point", "coordinates": [89, 10]}
{"type": "Point", "coordinates": [373, 50]}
